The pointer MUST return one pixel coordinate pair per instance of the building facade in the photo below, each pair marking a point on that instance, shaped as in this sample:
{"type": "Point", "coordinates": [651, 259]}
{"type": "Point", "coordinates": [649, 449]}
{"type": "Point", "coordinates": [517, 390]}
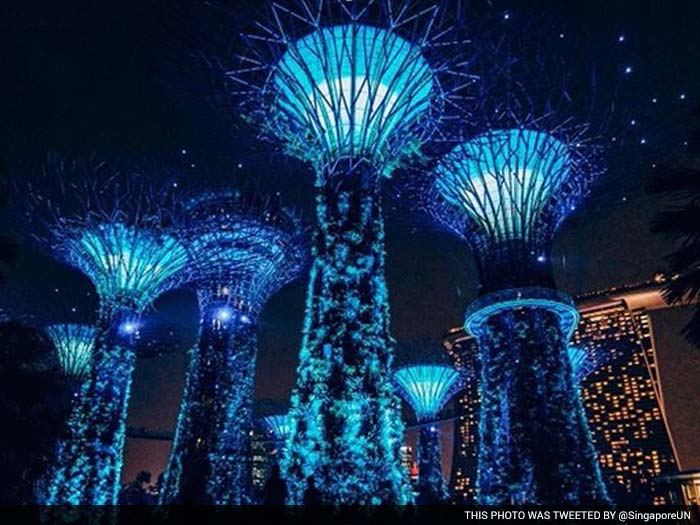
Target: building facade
{"type": "Point", "coordinates": [622, 397]}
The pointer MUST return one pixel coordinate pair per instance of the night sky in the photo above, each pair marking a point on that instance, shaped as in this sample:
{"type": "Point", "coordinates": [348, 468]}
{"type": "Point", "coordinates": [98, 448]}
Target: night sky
{"type": "Point", "coordinates": [88, 76]}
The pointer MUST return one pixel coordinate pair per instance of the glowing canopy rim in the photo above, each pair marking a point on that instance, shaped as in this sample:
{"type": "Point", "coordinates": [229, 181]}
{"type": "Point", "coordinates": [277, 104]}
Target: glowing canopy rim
{"type": "Point", "coordinates": [482, 309]}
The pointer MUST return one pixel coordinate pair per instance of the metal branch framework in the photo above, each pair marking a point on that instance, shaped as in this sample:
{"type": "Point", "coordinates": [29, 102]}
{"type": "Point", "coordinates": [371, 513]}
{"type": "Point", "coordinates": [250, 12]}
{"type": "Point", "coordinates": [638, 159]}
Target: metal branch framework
{"type": "Point", "coordinates": [75, 344]}
{"type": "Point", "coordinates": [278, 426]}
{"type": "Point", "coordinates": [354, 81]}
{"type": "Point", "coordinates": [242, 249]}
{"type": "Point", "coordinates": [118, 226]}
{"type": "Point", "coordinates": [427, 388]}
{"type": "Point", "coordinates": [355, 88]}
{"type": "Point", "coordinates": [507, 191]}
{"type": "Point", "coordinates": [128, 265]}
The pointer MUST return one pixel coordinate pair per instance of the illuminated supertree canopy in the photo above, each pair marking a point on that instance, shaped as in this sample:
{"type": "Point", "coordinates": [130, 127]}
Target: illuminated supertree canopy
{"type": "Point", "coordinates": [243, 248]}
{"type": "Point", "coordinates": [128, 265]}
{"type": "Point", "coordinates": [278, 426]}
{"type": "Point", "coordinates": [355, 89]}
{"type": "Point", "coordinates": [74, 344]}
{"type": "Point", "coordinates": [117, 226]}
{"type": "Point", "coordinates": [351, 90]}
{"type": "Point", "coordinates": [427, 387]}
{"type": "Point", "coordinates": [506, 192]}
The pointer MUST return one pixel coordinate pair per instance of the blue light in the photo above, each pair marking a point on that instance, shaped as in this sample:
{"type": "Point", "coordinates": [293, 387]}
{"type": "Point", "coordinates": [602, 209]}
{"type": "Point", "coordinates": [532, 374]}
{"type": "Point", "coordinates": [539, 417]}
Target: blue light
{"type": "Point", "coordinates": [129, 327]}
{"type": "Point", "coordinates": [351, 88]}
{"type": "Point", "coordinates": [541, 258]}
{"type": "Point", "coordinates": [224, 313]}
{"type": "Point", "coordinates": [279, 425]}
{"type": "Point", "coordinates": [582, 365]}
{"type": "Point", "coordinates": [245, 319]}
{"type": "Point", "coordinates": [126, 264]}
{"type": "Point", "coordinates": [504, 178]}
{"type": "Point", "coordinates": [621, 38]}
{"type": "Point", "coordinates": [628, 70]}
{"type": "Point", "coordinates": [481, 310]}
{"type": "Point", "coordinates": [427, 387]}
{"type": "Point", "coordinates": [74, 344]}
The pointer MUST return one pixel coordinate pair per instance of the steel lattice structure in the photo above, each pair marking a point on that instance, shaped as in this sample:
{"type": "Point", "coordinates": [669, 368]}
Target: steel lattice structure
{"type": "Point", "coordinates": [278, 426]}
{"type": "Point", "coordinates": [116, 225]}
{"type": "Point", "coordinates": [243, 248]}
{"type": "Point", "coordinates": [522, 164]}
{"type": "Point", "coordinates": [427, 388]}
{"type": "Point", "coordinates": [354, 89]}
{"type": "Point", "coordinates": [75, 344]}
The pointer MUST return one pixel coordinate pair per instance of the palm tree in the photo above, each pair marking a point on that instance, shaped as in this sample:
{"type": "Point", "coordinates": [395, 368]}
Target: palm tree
{"type": "Point", "coordinates": [681, 222]}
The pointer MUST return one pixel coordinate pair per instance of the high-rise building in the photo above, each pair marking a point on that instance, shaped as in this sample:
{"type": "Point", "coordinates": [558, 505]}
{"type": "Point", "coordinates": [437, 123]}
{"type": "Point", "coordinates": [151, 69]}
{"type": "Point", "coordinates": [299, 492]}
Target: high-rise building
{"type": "Point", "coordinates": [408, 462]}
{"type": "Point", "coordinates": [622, 397]}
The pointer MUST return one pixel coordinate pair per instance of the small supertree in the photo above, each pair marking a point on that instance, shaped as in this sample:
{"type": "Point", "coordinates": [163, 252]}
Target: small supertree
{"type": "Point", "coordinates": [426, 388]}
{"type": "Point", "coordinates": [278, 426]}
{"type": "Point", "coordinates": [117, 227]}
{"type": "Point", "coordinates": [75, 345]}
{"type": "Point", "coordinates": [243, 248]}
{"type": "Point", "coordinates": [354, 88]}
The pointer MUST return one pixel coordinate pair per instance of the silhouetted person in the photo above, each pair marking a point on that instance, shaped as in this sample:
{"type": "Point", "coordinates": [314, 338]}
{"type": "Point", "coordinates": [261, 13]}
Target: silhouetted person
{"type": "Point", "coordinates": [312, 496]}
{"type": "Point", "coordinates": [137, 492]}
{"type": "Point", "coordinates": [275, 490]}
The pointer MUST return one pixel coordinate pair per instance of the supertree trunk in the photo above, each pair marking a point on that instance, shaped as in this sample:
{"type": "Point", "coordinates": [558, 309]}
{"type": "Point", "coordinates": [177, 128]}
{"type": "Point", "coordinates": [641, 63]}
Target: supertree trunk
{"type": "Point", "coordinates": [535, 443]}
{"type": "Point", "coordinates": [90, 456]}
{"type": "Point", "coordinates": [210, 461]}
{"type": "Point", "coordinates": [432, 488]}
{"type": "Point", "coordinates": [345, 425]}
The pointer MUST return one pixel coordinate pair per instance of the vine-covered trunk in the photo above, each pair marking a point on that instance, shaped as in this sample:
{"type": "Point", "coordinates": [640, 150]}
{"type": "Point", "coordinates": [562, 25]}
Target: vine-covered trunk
{"type": "Point", "coordinates": [90, 457]}
{"type": "Point", "coordinates": [346, 429]}
{"type": "Point", "coordinates": [535, 446]}
{"type": "Point", "coordinates": [431, 487]}
{"type": "Point", "coordinates": [210, 461]}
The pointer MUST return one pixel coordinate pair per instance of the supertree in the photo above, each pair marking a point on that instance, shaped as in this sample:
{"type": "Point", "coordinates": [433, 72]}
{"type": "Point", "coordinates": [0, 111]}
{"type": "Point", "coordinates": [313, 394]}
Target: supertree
{"type": "Point", "coordinates": [243, 248]}
{"type": "Point", "coordinates": [117, 227]}
{"type": "Point", "coordinates": [353, 88]}
{"type": "Point", "coordinates": [278, 426]}
{"type": "Point", "coordinates": [506, 191]}
{"type": "Point", "coordinates": [426, 388]}
{"type": "Point", "coordinates": [539, 137]}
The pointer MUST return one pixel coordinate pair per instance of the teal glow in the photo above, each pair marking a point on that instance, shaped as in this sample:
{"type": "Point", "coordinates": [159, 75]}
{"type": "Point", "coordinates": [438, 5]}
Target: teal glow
{"type": "Point", "coordinates": [130, 266]}
{"type": "Point", "coordinates": [279, 425]}
{"type": "Point", "coordinates": [349, 89]}
{"type": "Point", "coordinates": [427, 388]}
{"type": "Point", "coordinates": [486, 307]}
{"type": "Point", "coordinates": [582, 365]}
{"type": "Point", "coordinates": [74, 344]}
{"type": "Point", "coordinates": [504, 179]}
